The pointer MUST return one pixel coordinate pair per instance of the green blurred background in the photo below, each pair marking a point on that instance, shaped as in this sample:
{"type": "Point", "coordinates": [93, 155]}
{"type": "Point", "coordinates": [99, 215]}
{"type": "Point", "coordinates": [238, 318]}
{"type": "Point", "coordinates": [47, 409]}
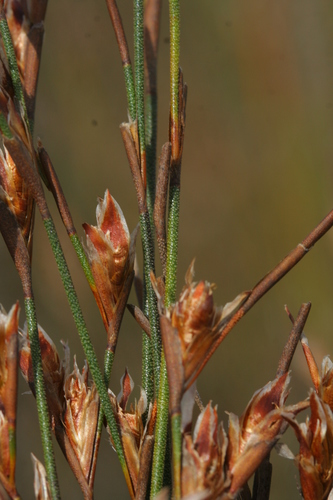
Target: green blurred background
{"type": "Point", "coordinates": [257, 177]}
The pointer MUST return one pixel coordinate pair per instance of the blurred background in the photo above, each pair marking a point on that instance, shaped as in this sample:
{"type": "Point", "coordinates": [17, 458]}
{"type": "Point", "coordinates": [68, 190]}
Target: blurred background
{"type": "Point", "coordinates": [256, 179]}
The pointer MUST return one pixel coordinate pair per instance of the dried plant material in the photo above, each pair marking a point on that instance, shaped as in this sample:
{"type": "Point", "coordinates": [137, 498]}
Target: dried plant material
{"type": "Point", "coordinates": [15, 193]}
{"type": "Point", "coordinates": [132, 430]}
{"type": "Point", "coordinates": [111, 251]}
{"type": "Point", "coordinates": [203, 465]}
{"type": "Point", "coordinates": [41, 486]}
{"type": "Point", "coordinates": [81, 415]}
{"type": "Point", "coordinates": [253, 435]}
{"type": "Point", "coordinates": [54, 369]}
{"type": "Point", "coordinates": [73, 405]}
{"type": "Point", "coordinates": [25, 22]}
{"type": "Point", "coordinates": [311, 362]}
{"type": "Point", "coordinates": [198, 322]}
{"type": "Point", "coordinates": [314, 460]}
{"type": "Point", "coordinates": [8, 393]}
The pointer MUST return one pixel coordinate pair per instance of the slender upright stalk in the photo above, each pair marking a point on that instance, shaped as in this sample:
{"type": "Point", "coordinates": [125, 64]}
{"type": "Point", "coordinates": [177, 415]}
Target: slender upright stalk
{"type": "Point", "coordinates": [140, 83]}
{"type": "Point", "coordinates": [176, 138]}
{"type": "Point", "coordinates": [124, 55]}
{"type": "Point", "coordinates": [149, 265]}
{"type": "Point", "coordinates": [151, 36]}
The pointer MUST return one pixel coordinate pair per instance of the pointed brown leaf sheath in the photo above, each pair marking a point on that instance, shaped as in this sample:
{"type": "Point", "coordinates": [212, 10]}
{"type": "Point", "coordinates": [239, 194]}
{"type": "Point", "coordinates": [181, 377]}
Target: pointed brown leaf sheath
{"type": "Point", "coordinates": [111, 252]}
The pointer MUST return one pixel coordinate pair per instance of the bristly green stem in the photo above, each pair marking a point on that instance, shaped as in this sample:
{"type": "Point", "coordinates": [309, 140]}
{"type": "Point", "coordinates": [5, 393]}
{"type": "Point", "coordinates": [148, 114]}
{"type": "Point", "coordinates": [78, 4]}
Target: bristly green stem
{"type": "Point", "coordinates": [140, 80]}
{"type": "Point", "coordinates": [174, 17]}
{"type": "Point", "coordinates": [43, 413]}
{"type": "Point", "coordinates": [13, 68]}
{"type": "Point", "coordinates": [172, 261]}
{"type": "Point", "coordinates": [156, 342]}
{"type": "Point", "coordinates": [87, 345]}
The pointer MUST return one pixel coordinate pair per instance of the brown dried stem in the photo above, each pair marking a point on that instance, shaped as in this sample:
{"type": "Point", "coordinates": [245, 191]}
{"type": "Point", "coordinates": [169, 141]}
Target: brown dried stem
{"type": "Point", "coordinates": [140, 318]}
{"type": "Point", "coordinates": [294, 337]}
{"type": "Point", "coordinates": [55, 188]}
{"type": "Point", "coordinates": [269, 281]}
{"type": "Point", "coordinates": [152, 28]}
{"type": "Point", "coordinates": [119, 32]}
{"type": "Point", "coordinates": [134, 166]}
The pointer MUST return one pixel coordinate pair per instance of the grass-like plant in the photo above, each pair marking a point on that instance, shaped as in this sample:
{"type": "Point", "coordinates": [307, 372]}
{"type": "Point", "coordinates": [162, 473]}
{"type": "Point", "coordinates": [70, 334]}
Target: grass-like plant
{"type": "Point", "coordinates": [163, 450]}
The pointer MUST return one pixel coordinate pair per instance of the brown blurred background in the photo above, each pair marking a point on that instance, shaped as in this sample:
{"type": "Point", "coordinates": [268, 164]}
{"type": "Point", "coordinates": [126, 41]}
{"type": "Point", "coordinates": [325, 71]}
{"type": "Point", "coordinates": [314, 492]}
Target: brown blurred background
{"type": "Point", "coordinates": [257, 177]}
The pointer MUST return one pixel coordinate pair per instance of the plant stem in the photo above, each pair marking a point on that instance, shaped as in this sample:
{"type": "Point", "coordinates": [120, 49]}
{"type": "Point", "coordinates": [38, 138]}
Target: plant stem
{"type": "Point", "coordinates": [43, 414]}
{"type": "Point", "coordinates": [146, 238]}
{"type": "Point", "coordinates": [13, 68]}
{"type": "Point", "coordinates": [266, 283]}
{"type": "Point", "coordinates": [172, 261]}
{"type": "Point", "coordinates": [140, 82]}
{"type": "Point", "coordinates": [151, 35]}
{"type": "Point", "coordinates": [124, 55]}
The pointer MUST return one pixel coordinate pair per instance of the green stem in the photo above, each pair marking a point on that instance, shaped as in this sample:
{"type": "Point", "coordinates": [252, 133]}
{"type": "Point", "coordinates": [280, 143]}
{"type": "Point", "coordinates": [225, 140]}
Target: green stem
{"type": "Point", "coordinates": [161, 433]}
{"type": "Point", "coordinates": [43, 414]}
{"type": "Point", "coordinates": [139, 72]}
{"type": "Point", "coordinates": [81, 254]}
{"type": "Point", "coordinates": [87, 345]}
{"type": "Point", "coordinates": [172, 250]}
{"type": "Point", "coordinates": [163, 399]}
{"type": "Point", "coordinates": [148, 253]}
{"type": "Point", "coordinates": [176, 429]}
{"type": "Point", "coordinates": [130, 90]}
{"type": "Point", "coordinates": [151, 135]}
{"type": "Point", "coordinates": [13, 68]}
{"type": "Point", "coordinates": [174, 18]}
{"type": "Point", "coordinates": [108, 364]}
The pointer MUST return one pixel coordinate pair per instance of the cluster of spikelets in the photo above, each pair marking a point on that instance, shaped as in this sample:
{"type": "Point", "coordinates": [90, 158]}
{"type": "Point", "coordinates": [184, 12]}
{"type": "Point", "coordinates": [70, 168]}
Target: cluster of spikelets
{"type": "Point", "coordinates": [215, 463]}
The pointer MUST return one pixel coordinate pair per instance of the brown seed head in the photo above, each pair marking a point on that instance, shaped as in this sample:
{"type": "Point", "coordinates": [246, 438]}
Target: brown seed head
{"type": "Point", "coordinates": [132, 430]}
{"type": "Point", "coordinates": [111, 251]}
{"type": "Point", "coordinates": [314, 460]}
{"type": "Point", "coordinates": [198, 321]}
{"type": "Point", "coordinates": [54, 369]}
{"type": "Point", "coordinates": [203, 468]}
{"type": "Point", "coordinates": [81, 415]}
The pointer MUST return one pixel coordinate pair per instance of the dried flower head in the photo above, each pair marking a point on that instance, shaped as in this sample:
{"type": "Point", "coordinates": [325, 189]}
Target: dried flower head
{"type": "Point", "coordinates": [81, 415]}
{"type": "Point", "coordinates": [253, 435]}
{"type": "Point", "coordinates": [203, 463]}
{"type": "Point", "coordinates": [15, 153]}
{"type": "Point", "coordinates": [323, 382]}
{"type": "Point", "coordinates": [314, 460]}
{"type": "Point", "coordinates": [8, 392]}
{"type": "Point", "coordinates": [54, 369]}
{"type": "Point", "coordinates": [111, 251]}
{"type": "Point", "coordinates": [196, 322]}
{"type": "Point", "coordinates": [132, 430]}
